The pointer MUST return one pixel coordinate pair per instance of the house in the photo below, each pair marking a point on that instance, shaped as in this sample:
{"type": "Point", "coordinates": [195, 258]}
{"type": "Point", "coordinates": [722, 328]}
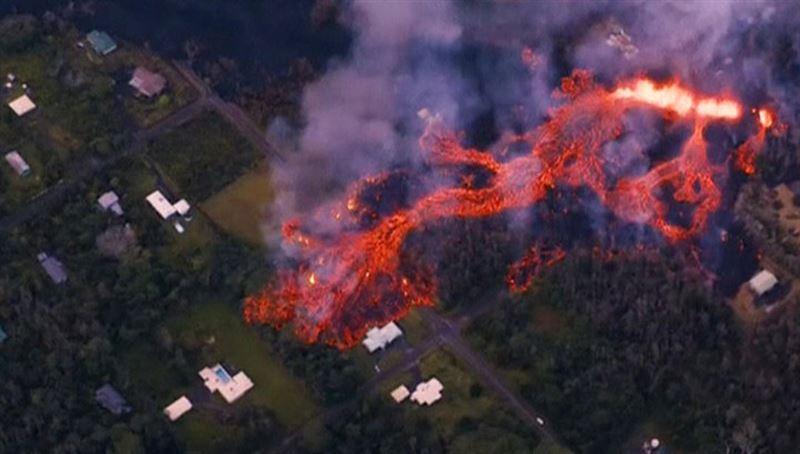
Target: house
{"type": "Point", "coordinates": [101, 42]}
{"type": "Point", "coordinates": [147, 83]}
{"type": "Point", "coordinates": [163, 207]}
{"type": "Point", "coordinates": [22, 105]}
{"type": "Point", "coordinates": [110, 201]}
{"type": "Point", "coordinates": [53, 267]}
{"type": "Point", "coordinates": [400, 393]}
{"type": "Point", "coordinates": [178, 408]}
{"type": "Point", "coordinates": [111, 400]}
{"type": "Point", "coordinates": [379, 338]}
{"type": "Point", "coordinates": [427, 392]}
{"type": "Point", "coordinates": [182, 207]}
{"type": "Point", "coordinates": [762, 282]}
{"type": "Point", "coordinates": [19, 165]}
{"type": "Point", "coordinates": [216, 378]}
{"type": "Point", "coordinates": [3, 335]}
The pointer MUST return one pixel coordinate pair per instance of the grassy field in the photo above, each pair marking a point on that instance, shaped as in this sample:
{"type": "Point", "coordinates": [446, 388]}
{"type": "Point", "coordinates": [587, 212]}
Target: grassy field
{"type": "Point", "coordinates": [414, 328]}
{"type": "Point", "coordinates": [204, 156]}
{"type": "Point", "coordinates": [239, 208]}
{"type": "Point", "coordinates": [213, 333]}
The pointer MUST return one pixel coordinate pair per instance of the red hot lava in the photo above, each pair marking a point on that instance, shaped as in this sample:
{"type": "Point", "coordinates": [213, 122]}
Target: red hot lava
{"type": "Point", "coordinates": [352, 279]}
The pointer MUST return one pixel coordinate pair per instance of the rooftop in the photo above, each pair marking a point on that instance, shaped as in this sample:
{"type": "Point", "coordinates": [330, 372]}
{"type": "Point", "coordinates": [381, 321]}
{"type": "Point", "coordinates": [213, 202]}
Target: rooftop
{"type": "Point", "coordinates": [428, 392]}
{"type": "Point", "coordinates": [163, 207]}
{"type": "Point", "coordinates": [400, 393]}
{"type": "Point", "coordinates": [19, 165]}
{"type": "Point", "coordinates": [378, 338]}
{"type": "Point", "coordinates": [763, 282]}
{"type": "Point", "coordinates": [53, 267]}
{"type": "Point", "coordinates": [216, 378]}
{"type": "Point", "coordinates": [147, 83]}
{"type": "Point", "coordinates": [110, 200]}
{"type": "Point", "coordinates": [101, 42]}
{"type": "Point", "coordinates": [178, 408]}
{"type": "Point", "coordinates": [22, 105]}
{"type": "Point", "coordinates": [3, 335]}
{"type": "Point", "coordinates": [111, 400]}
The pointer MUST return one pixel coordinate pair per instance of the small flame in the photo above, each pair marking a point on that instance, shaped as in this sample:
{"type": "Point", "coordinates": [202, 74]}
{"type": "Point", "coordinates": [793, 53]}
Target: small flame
{"type": "Point", "coordinates": [765, 118]}
{"type": "Point", "coordinates": [312, 279]}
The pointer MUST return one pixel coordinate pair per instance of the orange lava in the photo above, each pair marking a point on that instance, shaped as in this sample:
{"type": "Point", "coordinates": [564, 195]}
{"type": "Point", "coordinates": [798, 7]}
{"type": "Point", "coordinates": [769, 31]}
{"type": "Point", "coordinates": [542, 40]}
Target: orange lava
{"type": "Point", "coordinates": [351, 280]}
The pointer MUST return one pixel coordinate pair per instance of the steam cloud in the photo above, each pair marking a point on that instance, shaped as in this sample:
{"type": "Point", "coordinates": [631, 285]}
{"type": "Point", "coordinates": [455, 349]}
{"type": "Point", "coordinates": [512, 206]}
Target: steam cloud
{"type": "Point", "coordinates": [361, 114]}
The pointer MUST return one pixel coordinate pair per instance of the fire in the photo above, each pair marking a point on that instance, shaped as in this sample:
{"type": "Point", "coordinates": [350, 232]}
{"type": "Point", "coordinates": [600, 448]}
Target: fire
{"type": "Point", "coordinates": [366, 282]}
{"type": "Point", "coordinates": [765, 118]}
{"type": "Point", "coordinates": [680, 100]}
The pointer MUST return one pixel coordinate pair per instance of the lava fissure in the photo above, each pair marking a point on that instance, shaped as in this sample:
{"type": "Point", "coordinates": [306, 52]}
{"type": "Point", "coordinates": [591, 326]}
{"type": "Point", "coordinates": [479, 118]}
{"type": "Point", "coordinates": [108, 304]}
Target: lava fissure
{"type": "Point", "coordinates": [352, 280]}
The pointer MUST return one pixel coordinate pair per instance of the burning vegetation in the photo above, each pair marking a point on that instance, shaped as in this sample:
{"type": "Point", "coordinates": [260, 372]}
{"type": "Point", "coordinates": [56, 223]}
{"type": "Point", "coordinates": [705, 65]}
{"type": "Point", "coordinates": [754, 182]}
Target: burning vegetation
{"type": "Point", "coordinates": [355, 276]}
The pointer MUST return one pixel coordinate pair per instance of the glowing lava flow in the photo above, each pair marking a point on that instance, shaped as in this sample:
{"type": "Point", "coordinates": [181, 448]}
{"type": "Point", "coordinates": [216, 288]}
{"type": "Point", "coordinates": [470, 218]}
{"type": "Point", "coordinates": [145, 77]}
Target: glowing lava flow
{"type": "Point", "coordinates": [351, 279]}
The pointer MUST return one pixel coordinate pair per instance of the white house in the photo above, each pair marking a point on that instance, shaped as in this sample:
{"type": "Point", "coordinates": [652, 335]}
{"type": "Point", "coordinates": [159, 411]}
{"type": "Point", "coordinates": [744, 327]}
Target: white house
{"type": "Point", "coordinates": [182, 207]}
{"type": "Point", "coordinates": [427, 392]}
{"type": "Point", "coordinates": [22, 105]}
{"type": "Point", "coordinates": [110, 201]}
{"type": "Point", "coordinates": [19, 165]}
{"type": "Point", "coordinates": [400, 393]}
{"type": "Point", "coordinates": [163, 207]}
{"type": "Point", "coordinates": [178, 408]}
{"type": "Point", "coordinates": [378, 338]}
{"type": "Point", "coordinates": [216, 378]}
{"type": "Point", "coordinates": [762, 282]}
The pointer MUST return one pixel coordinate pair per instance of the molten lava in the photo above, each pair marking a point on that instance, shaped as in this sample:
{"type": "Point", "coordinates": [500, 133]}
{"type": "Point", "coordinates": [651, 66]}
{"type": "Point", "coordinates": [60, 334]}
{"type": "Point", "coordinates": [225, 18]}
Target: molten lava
{"type": "Point", "coordinates": [349, 280]}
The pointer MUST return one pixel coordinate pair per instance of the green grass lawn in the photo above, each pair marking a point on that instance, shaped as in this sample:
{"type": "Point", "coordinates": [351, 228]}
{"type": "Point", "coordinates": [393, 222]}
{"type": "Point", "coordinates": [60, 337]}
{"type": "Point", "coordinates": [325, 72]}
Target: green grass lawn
{"type": "Point", "coordinates": [239, 208]}
{"type": "Point", "coordinates": [204, 156]}
{"type": "Point", "coordinates": [214, 332]}
{"type": "Point", "coordinates": [414, 327]}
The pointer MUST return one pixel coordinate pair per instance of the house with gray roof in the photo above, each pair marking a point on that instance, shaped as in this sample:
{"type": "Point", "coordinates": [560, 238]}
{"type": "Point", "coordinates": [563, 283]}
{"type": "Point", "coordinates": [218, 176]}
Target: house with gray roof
{"type": "Point", "coordinates": [53, 267]}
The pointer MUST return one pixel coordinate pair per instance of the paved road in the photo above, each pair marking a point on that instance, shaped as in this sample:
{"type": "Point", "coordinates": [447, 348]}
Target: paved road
{"type": "Point", "coordinates": [232, 112]}
{"type": "Point", "coordinates": [451, 337]}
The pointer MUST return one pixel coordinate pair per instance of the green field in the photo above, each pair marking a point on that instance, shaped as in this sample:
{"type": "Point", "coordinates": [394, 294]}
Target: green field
{"type": "Point", "coordinates": [203, 156]}
{"type": "Point", "coordinates": [239, 208]}
{"type": "Point", "coordinates": [213, 333]}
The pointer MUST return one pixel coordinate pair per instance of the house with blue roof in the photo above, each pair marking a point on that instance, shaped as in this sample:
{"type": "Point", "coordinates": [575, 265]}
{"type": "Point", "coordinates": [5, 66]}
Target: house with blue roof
{"type": "Point", "coordinates": [101, 42]}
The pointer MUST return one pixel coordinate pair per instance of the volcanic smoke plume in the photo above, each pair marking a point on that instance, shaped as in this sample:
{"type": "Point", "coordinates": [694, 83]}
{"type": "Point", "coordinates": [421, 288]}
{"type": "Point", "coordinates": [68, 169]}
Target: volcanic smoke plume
{"type": "Point", "coordinates": [384, 115]}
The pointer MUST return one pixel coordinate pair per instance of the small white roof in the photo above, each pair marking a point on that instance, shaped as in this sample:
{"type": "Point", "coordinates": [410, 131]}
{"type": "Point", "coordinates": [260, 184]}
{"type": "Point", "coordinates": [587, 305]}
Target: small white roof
{"type": "Point", "coordinates": [22, 105]}
{"type": "Point", "coordinates": [107, 199]}
{"type": "Point", "coordinates": [182, 207]}
{"type": "Point", "coordinates": [161, 204]}
{"type": "Point", "coordinates": [378, 338]}
{"type": "Point", "coordinates": [428, 392]}
{"type": "Point", "coordinates": [763, 282]}
{"type": "Point", "coordinates": [400, 393]}
{"type": "Point", "coordinates": [178, 408]}
{"type": "Point", "coordinates": [18, 163]}
{"type": "Point", "coordinates": [216, 378]}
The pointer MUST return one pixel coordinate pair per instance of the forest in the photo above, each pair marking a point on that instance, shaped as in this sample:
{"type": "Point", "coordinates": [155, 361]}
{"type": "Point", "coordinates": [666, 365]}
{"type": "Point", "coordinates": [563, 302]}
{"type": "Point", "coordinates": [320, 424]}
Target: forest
{"type": "Point", "coordinates": [635, 339]}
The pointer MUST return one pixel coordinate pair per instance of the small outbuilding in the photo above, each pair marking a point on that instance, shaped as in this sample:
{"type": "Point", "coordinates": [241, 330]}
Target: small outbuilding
{"type": "Point", "coordinates": [379, 338]}
{"type": "Point", "coordinates": [147, 83]}
{"type": "Point", "coordinates": [111, 400]}
{"type": "Point", "coordinates": [762, 282]}
{"type": "Point", "coordinates": [22, 105]}
{"type": "Point", "coordinates": [110, 201]}
{"type": "Point", "coordinates": [53, 267]}
{"type": "Point", "coordinates": [178, 408]}
{"type": "Point", "coordinates": [428, 392]}
{"type": "Point", "coordinates": [217, 379]}
{"type": "Point", "coordinates": [400, 393]}
{"type": "Point", "coordinates": [15, 160]}
{"type": "Point", "coordinates": [182, 207]}
{"type": "Point", "coordinates": [101, 42]}
{"type": "Point", "coordinates": [3, 335]}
